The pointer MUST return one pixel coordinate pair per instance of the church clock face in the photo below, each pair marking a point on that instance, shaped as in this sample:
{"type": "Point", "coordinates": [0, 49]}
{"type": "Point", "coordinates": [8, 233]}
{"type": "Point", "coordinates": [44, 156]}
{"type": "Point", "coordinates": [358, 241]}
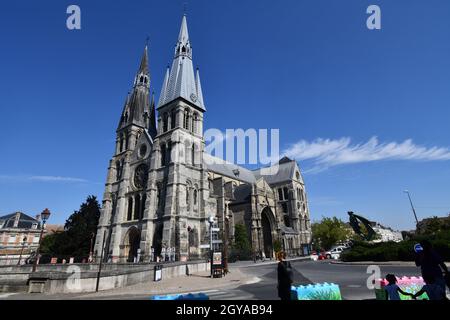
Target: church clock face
{"type": "Point", "coordinates": [193, 97]}
{"type": "Point", "coordinates": [140, 176]}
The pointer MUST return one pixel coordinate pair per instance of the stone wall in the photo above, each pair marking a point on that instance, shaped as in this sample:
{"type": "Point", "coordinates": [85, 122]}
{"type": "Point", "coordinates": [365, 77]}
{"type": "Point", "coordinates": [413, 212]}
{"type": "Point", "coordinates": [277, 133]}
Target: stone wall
{"type": "Point", "coordinates": [78, 278]}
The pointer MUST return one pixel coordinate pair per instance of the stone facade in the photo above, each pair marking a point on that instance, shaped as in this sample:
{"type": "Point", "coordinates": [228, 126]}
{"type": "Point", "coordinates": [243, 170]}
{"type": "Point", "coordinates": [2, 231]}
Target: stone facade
{"type": "Point", "coordinates": [162, 187]}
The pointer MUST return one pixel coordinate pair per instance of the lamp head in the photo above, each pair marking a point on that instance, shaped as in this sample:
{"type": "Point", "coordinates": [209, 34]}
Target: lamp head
{"type": "Point", "coordinates": [45, 214]}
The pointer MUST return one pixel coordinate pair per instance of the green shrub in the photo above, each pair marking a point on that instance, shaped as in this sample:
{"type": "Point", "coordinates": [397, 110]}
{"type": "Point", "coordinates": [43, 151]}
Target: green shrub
{"type": "Point", "coordinates": [396, 251]}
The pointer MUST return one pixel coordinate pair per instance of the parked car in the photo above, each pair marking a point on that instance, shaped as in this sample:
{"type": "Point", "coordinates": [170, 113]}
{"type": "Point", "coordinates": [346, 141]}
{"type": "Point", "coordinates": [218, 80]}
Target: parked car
{"type": "Point", "coordinates": [335, 252]}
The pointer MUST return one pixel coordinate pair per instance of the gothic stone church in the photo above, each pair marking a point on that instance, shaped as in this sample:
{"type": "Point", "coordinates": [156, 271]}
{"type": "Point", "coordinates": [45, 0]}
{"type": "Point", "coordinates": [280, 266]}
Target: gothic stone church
{"type": "Point", "coordinates": [162, 187]}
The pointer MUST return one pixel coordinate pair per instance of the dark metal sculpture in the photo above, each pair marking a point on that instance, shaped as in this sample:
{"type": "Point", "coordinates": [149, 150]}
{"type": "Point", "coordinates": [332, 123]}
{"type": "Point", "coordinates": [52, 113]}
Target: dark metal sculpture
{"type": "Point", "coordinates": [355, 224]}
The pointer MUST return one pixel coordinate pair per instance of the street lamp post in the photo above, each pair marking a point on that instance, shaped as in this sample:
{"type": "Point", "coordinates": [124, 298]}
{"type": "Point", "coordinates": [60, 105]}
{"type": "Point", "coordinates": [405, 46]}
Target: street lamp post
{"type": "Point", "coordinates": [91, 253]}
{"type": "Point", "coordinates": [412, 207]}
{"type": "Point", "coordinates": [44, 217]}
{"type": "Point", "coordinates": [211, 222]}
{"type": "Point", "coordinates": [189, 229]}
{"type": "Point", "coordinates": [24, 241]}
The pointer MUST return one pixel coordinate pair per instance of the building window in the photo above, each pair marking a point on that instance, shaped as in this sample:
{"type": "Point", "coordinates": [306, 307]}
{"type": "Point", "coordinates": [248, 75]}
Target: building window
{"type": "Point", "coordinates": [137, 207]}
{"type": "Point", "coordinates": [194, 123]}
{"type": "Point", "coordinates": [173, 119]}
{"type": "Point", "coordinates": [163, 155]}
{"type": "Point", "coordinates": [285, 193]}
{"type": "Point", "coordinates": [121, 144]}
{"type": "Point", "coordinates": [144, 199]}
{"type": "Point", "coordinates": [284, 207]}
{"type": "Point", "coordinates": [12, 239]}
{"type": "Point", "coordinates": [280, 194]}
{"type": "Point", "coordinates": [186, 119]}
{"type": "Point", "coordinates": [287, 221]}
{"type": "Point", "coordinates": [195, 197]}
{"type": "Point", "coordinates": [35, 239]}
{"type": "Point", "coordinates": [130, 209]}
{"type": "Point", "coordinates": [165, 122]}
{"type": "Point", "coordinates": [169, 153]}
{"type": "Point", "coordinates": [118, 170]}
{"type": "Point", "coordinates": [193, 154]}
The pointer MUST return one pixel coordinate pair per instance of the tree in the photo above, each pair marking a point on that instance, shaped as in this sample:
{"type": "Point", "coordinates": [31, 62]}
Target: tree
{"type": "Point", "coordinates": [329, 231]}
{"type": "Point", "coordinates": [79, 229]}
{"type": "Point", "coordinates": [241, 248]}
{"type": "Point", "coordinates": [277, 246]}
{"type": "Point", "coordinates": [434, 225]}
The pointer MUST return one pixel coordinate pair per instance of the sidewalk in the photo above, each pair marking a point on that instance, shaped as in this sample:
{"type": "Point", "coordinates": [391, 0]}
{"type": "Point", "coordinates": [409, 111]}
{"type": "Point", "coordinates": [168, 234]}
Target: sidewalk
{"type": "Point", "coordinates": [380, 263]}
{"type": "Point", "coordinates": [247, 264]}
{"type": "Point", "coordinates": [186, 284]}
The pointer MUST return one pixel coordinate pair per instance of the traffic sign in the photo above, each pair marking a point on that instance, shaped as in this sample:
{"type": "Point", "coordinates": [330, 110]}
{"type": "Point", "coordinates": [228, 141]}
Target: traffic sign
{"type": "Point", "coordinates": [418, 248]}
{"type": "Point", "coordinates": [215, 229]}
{"type": "Point", "coordinates": [204, 246]}
{"type": "Point", "coordinates": [217, 241]}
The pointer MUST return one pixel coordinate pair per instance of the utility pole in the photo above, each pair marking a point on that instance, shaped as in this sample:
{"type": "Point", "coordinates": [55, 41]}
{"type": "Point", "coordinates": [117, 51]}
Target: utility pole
{"type": "Point", "coordinates": [101, 262]}
{"type": "Point", "coordinates": [413, 210]}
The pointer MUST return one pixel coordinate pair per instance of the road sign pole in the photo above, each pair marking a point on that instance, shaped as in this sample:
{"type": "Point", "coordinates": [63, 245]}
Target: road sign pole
{"type": "Point", "coordinates": [211, 249]}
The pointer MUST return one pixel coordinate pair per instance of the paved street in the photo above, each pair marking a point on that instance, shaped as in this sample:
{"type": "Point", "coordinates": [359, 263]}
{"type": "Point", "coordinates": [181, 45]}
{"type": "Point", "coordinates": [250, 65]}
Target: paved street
{"type": "Point", "coordinates": [351, 279]}
{"type": "Point", "coordinates": [248, 281]}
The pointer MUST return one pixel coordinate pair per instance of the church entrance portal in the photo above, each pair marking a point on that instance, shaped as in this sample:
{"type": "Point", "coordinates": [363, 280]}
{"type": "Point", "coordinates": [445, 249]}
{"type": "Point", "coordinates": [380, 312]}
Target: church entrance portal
{"type": "Point", "coordinates": [157, 240]}
{"type": "Point", "coordinates": [132, 242]}
{"type": "Point", "coordinates": [267, 232]}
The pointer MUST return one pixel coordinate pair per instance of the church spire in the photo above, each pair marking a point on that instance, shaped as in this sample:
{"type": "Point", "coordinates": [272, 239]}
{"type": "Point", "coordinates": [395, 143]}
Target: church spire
{"type": "Point", "coordinates": [198, 86]}
{"type": "Point", "coordinates": [152, 119]}
{"type": "Point", "coordinates": [137, 106]}
{"type": "Point", "coordinates": [180, 81]}
{"type": "Point", "coordinates": [143, 68]}
{"type": "Point", "coordinates": [143, 75]}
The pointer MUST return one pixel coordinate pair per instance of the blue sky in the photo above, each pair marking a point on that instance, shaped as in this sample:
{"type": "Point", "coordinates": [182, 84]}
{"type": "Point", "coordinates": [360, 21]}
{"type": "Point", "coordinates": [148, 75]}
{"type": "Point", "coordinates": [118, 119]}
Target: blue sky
{"type": "Point", "coordinates": [310, 68]}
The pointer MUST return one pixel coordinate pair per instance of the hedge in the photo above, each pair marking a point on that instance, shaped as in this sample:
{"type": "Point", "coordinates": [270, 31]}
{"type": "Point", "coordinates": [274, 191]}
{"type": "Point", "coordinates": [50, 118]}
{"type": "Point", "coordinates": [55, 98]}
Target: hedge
{"type": "Point", "coordinates": [396, 251]}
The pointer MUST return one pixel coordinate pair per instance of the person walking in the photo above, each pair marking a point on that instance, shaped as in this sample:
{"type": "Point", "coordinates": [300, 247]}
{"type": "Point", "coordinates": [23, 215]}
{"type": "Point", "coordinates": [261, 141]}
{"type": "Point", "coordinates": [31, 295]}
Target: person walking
{"type": "Point", "coordinates": [284, 277]}
{"type": "Point", "coordinates": [433, 290]}
{"type": "Point", "coordinates": [393, 290]}
{"type": "Point", "coordinates": [431, 264]}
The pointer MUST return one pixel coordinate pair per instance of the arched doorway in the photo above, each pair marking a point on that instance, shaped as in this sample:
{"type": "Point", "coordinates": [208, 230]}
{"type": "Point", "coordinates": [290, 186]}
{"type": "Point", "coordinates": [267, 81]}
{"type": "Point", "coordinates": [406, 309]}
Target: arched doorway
{"type": "Point", "coordinates": [267, 232]}
{"type": "Point", "coordinates": [157, 240]}
{"type": "Point", "coordinates": [131, 244]}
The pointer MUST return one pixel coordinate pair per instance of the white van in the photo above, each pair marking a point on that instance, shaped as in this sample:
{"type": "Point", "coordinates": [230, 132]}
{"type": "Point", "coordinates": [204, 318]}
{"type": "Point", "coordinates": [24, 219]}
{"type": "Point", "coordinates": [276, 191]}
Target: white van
{"type": "Point", "coordinates": [335, 252]}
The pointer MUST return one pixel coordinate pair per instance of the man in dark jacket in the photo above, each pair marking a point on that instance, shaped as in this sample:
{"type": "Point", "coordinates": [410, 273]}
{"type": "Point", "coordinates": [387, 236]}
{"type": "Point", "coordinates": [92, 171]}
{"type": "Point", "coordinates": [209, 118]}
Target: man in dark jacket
{"type": "Point", "coordinates": [284, 277]}
{"type": "Point", "coordinates": [431, 264]}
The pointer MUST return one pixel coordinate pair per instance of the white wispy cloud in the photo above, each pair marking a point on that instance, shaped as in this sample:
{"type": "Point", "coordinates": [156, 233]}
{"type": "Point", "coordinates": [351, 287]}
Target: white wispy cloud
{"type": "Point", "coordinates": [326, 153]}
{"type": "Point", "coordinates": [22, 178]}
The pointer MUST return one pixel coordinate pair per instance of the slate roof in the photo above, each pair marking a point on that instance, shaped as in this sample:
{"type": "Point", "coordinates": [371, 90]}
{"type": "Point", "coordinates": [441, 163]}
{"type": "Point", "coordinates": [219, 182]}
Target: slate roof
{"type": "Point", "coordinates": [180, 81]}
{"type": "Point", "coordinates": [25, 221]}
{"type": "Point", "coordinates": [286, 171]}
{"type": "Point", "coordinates": [242, 193]}
{"type": "Point", "coordinates": [222, 167]}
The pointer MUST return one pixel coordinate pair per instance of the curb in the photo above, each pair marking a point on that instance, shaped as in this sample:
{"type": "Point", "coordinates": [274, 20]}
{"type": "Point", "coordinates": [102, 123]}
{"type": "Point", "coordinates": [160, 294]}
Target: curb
{"type": "Point", "coordinates": [382, 263]}
{"type": "Point", "coordinates": [272, 262]}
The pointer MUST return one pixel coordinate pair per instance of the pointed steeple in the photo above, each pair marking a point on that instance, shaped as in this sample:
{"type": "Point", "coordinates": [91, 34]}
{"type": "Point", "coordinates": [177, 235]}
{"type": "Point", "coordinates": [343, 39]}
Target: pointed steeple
{"type": "Point", "coordinates": [143, 68]}
{"type": "Point", "coordinates": [137, 106]}
{"type": "Point", "coordinates": [180, 82]}
{"type": "Point", "coordinates": [152, 119]}
{"type": "Point", "coordinates": [198, 85]}
{"type": "Point", "coordinates": [143, 75]}
{"type": "Point", "coordinates": [183, 36]}
{"type": "Point", "coordinates": [162, 96]}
